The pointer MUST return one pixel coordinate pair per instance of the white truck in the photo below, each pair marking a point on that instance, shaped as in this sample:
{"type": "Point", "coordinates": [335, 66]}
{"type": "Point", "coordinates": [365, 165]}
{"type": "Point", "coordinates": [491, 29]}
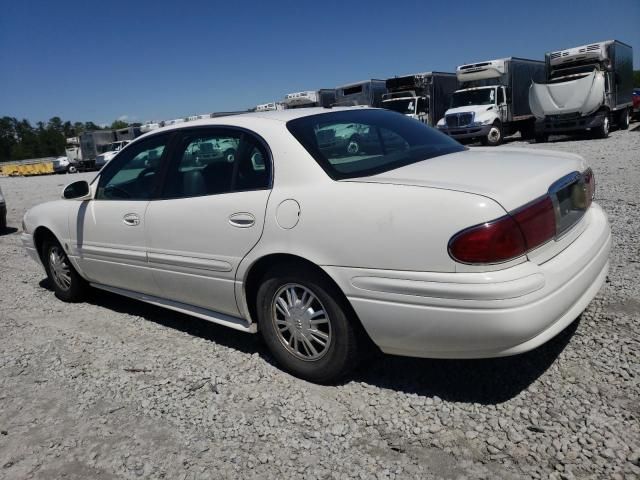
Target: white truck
{"type": "Point", "coordinates": [492, 102]}
{"type": "Point", "coordinates": [586, 88]}
{"type": "Point", "coordinates": [325, 97]}
{"type": "Point", "coordinates": [423, 96]}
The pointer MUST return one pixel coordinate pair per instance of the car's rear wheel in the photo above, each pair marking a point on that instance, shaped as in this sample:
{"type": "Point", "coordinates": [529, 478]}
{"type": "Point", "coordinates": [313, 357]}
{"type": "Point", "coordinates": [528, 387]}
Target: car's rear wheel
{"type": "Point", "coordinates": [67, 284]}
{"type": "Point", "coordinates": [306, 325]}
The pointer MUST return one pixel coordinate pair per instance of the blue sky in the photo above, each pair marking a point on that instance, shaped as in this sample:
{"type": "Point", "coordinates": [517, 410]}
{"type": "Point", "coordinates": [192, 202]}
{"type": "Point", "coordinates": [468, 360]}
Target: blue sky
{"type": "Point", "coordinates": [98, 61]}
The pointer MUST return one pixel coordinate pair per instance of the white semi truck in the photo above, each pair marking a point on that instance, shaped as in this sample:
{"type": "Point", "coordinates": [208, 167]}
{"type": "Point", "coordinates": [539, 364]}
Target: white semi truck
{"type": "Point", "coordinates": [492, 102]}
{"type": "Point", "coordinates": [586, 88]}
{"type": "Point", "coordinates": [423, 96]}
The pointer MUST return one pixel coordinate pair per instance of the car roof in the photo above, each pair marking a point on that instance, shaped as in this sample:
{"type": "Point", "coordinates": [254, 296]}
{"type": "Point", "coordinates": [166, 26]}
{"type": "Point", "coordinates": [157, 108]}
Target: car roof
{"type": "Point", "coordinates": [245, 119]}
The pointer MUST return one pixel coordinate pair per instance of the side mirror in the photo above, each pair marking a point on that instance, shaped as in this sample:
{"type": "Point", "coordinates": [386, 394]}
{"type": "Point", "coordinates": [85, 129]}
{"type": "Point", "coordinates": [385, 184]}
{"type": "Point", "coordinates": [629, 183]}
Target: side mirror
{"type": "Point", "coordinates": [77, 191]}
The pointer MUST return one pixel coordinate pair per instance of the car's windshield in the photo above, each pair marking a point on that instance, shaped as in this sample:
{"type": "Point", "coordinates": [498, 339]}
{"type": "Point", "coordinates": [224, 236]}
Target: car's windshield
{"type": "Point", "coordinates": [406, 106]}
{"type": "Point", "coordinates": [359, 143]}
{"type": "Point", "coordinates": [465, 98]}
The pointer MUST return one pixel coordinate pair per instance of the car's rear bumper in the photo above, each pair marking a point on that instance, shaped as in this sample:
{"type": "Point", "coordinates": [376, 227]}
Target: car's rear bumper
{"type": "Point", "coordinates": [475, 315]}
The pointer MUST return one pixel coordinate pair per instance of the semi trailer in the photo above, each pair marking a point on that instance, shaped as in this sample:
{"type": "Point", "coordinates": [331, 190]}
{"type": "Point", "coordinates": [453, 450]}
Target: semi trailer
{"type": "Point", "coordinates": [423, 96]}
{"type": "Point", "coordinates": [368, 93]}
{"type": "Point", "coordinates": [492, 101]}
{"type": "Point", "coordinates": [586, 88]}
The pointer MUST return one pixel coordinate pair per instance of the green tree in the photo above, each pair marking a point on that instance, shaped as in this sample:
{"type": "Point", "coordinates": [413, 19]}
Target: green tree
{"type": "Point", "coordinates": [117, 124]}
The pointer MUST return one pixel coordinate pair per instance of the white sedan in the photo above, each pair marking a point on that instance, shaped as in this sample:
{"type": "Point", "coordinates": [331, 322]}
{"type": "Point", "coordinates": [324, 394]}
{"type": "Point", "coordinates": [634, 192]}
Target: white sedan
{"type": "Point", "coordinates": [428, 248]}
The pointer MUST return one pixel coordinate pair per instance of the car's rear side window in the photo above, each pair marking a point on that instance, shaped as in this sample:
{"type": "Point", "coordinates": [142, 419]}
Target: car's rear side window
{"type": "Point", "coordinates": [210, 161]}
{"type": "Point", "coordinates": [359, 142]}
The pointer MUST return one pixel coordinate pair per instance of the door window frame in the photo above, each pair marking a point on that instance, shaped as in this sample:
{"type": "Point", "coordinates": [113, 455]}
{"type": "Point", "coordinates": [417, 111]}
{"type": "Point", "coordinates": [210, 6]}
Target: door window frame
{"type": "Point", "coordinates": [120, 158]}
{"type": "Point", "coordinates": [174, 157]}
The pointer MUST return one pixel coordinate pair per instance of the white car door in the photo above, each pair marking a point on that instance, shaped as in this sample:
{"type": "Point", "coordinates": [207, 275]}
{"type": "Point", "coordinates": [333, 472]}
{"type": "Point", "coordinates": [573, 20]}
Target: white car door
{"type": "Point", "coordinates": [210, 215]}
{"type": "Point", "coordinates": [107, 232]}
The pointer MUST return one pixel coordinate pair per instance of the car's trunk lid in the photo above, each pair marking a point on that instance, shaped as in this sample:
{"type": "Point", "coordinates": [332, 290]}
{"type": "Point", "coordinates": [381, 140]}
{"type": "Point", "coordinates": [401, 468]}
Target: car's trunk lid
{"type": "Point", "coordinates": [512, 177]}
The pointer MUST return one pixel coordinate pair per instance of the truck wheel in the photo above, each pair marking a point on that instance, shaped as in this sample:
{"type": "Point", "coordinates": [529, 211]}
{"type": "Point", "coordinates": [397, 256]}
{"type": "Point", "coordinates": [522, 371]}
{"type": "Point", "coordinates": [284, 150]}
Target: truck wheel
{"type": "Point", "coordinates": [542, 137]}
{"type": "Point", "coordinates": [72, 169]}
{"type": "Point", "coordinates": [623, 122]}
{"type": "Point", "coordinates": [494, 137]}
{"type": "Point", "coordinates": [353, 147]}
{"type": "Point", "coordinates": [603, 130]}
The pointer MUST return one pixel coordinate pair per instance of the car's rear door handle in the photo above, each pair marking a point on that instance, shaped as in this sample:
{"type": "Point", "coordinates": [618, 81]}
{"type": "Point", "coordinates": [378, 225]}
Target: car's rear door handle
{"type": "Point", "coordinates": [242, 220]}
{"type": "Point", "coordinates": [131, 219]}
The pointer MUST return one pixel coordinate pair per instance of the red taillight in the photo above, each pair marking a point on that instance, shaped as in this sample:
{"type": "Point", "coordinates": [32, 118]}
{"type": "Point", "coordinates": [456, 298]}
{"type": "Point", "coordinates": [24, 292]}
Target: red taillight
{"type": "Point", "coordinates": [508, 237]}
{"type": "Point", "coordinates": [492, 242]}
{"type": "Point", "coordinates": [537, 222]}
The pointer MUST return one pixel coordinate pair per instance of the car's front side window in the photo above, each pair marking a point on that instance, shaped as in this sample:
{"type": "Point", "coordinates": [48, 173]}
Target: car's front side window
{"type": "Point", "coordinates": [134, 173]}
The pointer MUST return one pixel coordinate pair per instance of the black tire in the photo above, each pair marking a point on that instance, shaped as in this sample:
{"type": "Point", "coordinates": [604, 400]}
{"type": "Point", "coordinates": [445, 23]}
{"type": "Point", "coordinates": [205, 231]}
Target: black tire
{"type": "Point", "coordinates": [341, 352]}
{"type": "Point", "coordinates": [624, 119]}
{"type": "Point", "coordinates": [494, 137]}
{"type": "Point", "coordinates": [230, 155]}
{"type": "Point", "coordinates": [77, 286]}
{"type": "Point", "coordinates": [603, 130]}
{"type": "Point", "coordinates": [542, 137]}
{"type": "Point", "coordinates": [72, 169]}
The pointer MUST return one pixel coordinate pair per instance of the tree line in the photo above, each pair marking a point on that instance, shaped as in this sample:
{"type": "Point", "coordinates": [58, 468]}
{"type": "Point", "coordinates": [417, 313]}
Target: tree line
{"type": "Point", "coordinates": [19, 140]}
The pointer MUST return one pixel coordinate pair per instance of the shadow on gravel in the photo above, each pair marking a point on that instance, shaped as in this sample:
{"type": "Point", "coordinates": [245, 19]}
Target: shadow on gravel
{"type": "Point", "coordinates": [7, 231]}
{"type": "Point", "coordinates": [485, 381]}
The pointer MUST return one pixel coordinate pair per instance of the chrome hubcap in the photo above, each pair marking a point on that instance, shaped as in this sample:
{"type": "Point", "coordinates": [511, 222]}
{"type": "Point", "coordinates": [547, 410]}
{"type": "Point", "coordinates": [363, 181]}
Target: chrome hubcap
{"type": "Point", "coordinates": [353, 147]}
{"type": "Point", "coordinates": [301, 322]}
{"type": "Point", "coordinates": [59, 267]}
{"type": "Point", "coordinates": [494, 134]}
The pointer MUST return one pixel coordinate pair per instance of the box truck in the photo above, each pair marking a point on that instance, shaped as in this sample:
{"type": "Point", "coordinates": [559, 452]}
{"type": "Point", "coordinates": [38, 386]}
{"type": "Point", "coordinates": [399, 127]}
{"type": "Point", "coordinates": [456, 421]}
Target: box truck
{"type": "Point", "coordinates": [586, 88]}
{"type": "Point", "coordinates": [493, 100]}
{"type": "Point", "coordinates": [367, 93]}
{"type": "Point", "coordinates": [423, 96]}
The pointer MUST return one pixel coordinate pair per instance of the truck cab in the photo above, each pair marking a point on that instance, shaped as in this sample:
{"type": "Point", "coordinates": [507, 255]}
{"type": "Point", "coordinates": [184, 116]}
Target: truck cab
{"type": "Point", "coordinates": [407, 103]}
{"type": "Point", "coordinates": [492, 102]}
{"type": "Point", "coordinates": [111, 150]}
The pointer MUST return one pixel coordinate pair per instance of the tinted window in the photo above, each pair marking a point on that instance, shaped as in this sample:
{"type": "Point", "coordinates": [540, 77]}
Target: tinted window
{"type": "Point", "coordinates": [213, 161]}
{"type": "Point", "coordinates": [359, 143]}
{"type": "Point", "coordinates": [133, 173]}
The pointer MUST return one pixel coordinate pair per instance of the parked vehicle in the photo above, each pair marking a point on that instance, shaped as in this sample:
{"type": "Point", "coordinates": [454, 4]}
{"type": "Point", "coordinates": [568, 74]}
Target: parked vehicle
{"type": "Point", "coordinates": [493, 100]}
{"type": "Point", "coordinates": [586, 88]}
{"type": "Point", "coordinates": [64, 165]}
{"type": "Point", "coordinates": [429, 248]}
{"type": "Point", "coordinates": [367, 93]}
{"type": "Point", "coordinates": [3, 211]}
{"type": "Point", "coordinates": [325, 97]}
{"type": "Point", "coordinates": [423, 96]}
{"type": "Point", "coordinates": [111, 150]}
{"type": "Point", "coordinates": [72, 149]}
{"type": "Point", "coordinates": [92, 144]}
{"type": "Point", "coordinates": [268, 107]}
{"type": "Point", "coordinates": [636, 103]}
{"type": "Point", "coordinates": [148, 126]}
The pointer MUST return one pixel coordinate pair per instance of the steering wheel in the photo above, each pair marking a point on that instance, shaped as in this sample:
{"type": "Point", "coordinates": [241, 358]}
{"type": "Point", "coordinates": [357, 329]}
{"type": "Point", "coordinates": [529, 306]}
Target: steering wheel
{"type": "Point", "coordinates": [144, 172]}
{"type": "Point", "coordinates": [113, 188]}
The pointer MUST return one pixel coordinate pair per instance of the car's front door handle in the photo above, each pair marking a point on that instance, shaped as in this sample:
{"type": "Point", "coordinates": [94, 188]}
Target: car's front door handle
{"type": "Point", "coordinates": [131, 219]}
{"type": "Point", "coordinates": [242, 220]}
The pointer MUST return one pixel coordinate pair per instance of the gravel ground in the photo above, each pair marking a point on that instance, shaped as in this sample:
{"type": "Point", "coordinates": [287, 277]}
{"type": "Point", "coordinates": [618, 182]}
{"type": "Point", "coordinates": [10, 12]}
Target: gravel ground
{"type": "Point", "coordinates": [114, 388]}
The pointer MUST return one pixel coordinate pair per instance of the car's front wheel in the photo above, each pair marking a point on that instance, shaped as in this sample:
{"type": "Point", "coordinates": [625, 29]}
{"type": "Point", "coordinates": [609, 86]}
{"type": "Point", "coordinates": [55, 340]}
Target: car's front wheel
{"type": "Point", "coordinates": [306, 325]}
{"type": "Point", "coordinates": [67, 284]}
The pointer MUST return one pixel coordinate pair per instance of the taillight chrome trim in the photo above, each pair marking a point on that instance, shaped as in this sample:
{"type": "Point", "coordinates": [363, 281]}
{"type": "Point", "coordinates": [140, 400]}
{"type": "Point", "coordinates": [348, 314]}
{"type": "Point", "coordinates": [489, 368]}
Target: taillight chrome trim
{"type": "Point", "coordinates": [561, 184]}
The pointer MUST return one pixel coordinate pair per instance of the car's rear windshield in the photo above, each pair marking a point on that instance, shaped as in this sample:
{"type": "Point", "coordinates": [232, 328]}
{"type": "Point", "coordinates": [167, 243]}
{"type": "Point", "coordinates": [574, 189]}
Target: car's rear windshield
{"type": "Point", "coordinates": [364, 142]}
